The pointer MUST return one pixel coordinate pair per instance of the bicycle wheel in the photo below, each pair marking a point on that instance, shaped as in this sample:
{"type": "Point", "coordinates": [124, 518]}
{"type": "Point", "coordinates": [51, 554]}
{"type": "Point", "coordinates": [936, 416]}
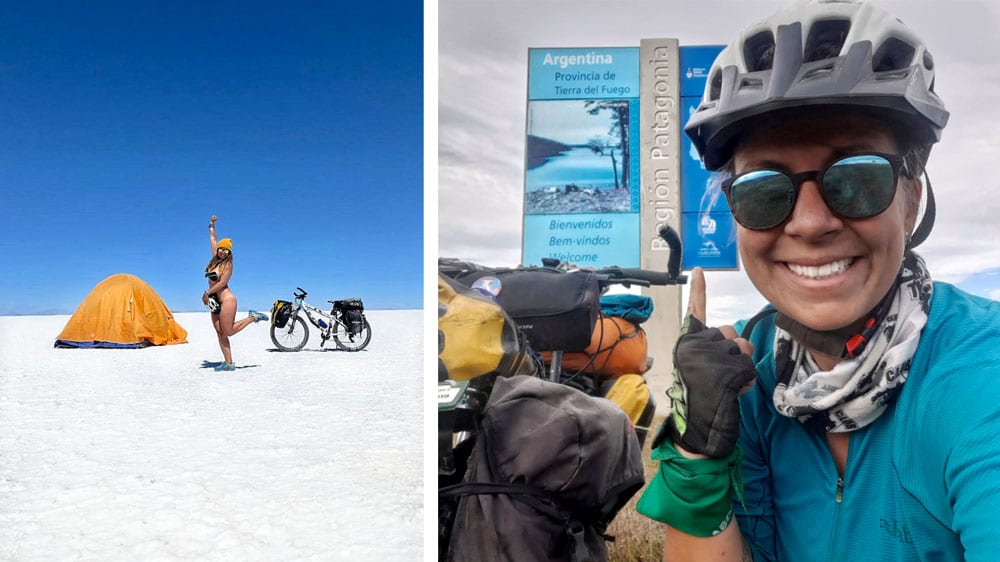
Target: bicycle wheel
{"type": "Point", "coordinates": [292, 337]}
{"type": "Point", "coordinates": [353, 342]}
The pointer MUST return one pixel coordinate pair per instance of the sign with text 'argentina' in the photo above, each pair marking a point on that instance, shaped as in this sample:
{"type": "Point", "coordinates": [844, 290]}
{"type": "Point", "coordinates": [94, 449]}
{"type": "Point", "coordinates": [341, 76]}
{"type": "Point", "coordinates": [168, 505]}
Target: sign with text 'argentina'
{"type": "Point", "coordinates": [581, 180]}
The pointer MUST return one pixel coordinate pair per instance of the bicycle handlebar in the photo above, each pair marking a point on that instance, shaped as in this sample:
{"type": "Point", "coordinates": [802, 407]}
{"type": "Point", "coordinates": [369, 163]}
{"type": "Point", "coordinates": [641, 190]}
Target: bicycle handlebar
{"type": "Point", "coordinates": [646, 277]}
{"type": "Point", "coordinates": [673, 241]}
{"type": "Point", "coordinates": [300, 293]}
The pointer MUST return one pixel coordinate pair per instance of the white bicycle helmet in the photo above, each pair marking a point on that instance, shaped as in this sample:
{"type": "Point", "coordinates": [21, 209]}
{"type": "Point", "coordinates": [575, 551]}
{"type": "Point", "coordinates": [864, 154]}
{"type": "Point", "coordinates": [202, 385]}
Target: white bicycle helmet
{"type": "Point", "coordinates": [818, 54]}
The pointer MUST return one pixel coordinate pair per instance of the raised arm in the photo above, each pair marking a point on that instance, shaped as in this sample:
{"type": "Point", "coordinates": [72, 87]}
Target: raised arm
{"type": "Point", "coordinates": [211, 232]}
{"type": "Point", "coordinates": [694, 487]}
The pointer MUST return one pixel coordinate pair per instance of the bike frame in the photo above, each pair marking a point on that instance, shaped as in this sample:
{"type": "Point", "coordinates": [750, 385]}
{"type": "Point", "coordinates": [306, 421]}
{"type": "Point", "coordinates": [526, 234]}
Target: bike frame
{"type": "Point", "coordinates": [310, 310]}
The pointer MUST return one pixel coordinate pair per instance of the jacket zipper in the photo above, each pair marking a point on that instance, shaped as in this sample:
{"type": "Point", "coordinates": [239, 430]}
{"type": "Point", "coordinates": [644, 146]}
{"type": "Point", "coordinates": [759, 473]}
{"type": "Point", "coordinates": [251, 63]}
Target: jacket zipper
{"type": "Point", "coordinates": [838, 498]}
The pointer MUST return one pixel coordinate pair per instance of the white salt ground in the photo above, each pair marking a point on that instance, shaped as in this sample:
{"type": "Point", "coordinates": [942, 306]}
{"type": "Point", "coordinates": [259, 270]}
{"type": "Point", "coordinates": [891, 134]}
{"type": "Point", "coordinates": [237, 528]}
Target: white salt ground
{"type": "Point", "coordinates": [147, 455]}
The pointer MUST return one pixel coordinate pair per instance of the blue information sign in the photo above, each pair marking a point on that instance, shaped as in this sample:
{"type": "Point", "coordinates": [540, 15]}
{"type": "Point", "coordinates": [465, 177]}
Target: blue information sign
{"type": "Point", "coordinates": [584, 239]}
{"type": "Point", "coordinates": [709, 240]}
{"type": "Point", "coordinates": [581, 187]}
{"type": "Point", "coordinates": [708, 232]}
{"type": "Point", "coordinates": [696, 61]}
{"type": "Point", "coordinates": [697, 192]}
{"type": "Point", "coordinates": [574, 74]}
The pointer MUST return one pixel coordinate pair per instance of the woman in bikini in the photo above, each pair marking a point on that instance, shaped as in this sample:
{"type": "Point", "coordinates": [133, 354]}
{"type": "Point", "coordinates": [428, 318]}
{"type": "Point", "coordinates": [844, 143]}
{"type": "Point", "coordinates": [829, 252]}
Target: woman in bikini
{"type": "Point", "coordinates": [221, 300]}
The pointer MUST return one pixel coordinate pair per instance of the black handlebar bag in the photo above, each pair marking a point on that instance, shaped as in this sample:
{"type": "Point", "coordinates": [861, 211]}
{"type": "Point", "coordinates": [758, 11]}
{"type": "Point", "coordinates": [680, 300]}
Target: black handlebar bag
{"type": "Point", "coordinates": [556, 310]}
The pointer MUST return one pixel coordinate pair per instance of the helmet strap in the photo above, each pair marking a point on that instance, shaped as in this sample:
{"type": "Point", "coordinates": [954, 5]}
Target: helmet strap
{"type": "Point", "coordinates": [832, 343]}
{"type": "Point", "coordinates": [842, 343]}
{"type": "Point", "coordinates": [926, 222]}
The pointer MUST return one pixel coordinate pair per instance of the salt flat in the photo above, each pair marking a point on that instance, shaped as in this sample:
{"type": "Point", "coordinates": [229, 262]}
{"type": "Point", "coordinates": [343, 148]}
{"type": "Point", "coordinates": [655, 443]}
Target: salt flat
{"type": "Point", "coordinates": [150, 455]}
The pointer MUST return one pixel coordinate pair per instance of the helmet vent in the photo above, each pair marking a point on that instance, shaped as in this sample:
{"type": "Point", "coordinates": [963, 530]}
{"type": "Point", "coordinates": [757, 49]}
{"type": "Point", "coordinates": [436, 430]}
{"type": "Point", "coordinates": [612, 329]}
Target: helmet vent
{"type": "Point", "coordinates": [747, 82]}
{"type": "Point", "coordinates": [893, 75]}
{"type": "Point", "coordinates": [819, 71]}
{"type": "Point", "coordinates": [894, 54]}
{"type": "Point", "coordinates": [715, 85]}
{"type": "Point", "coordinates": [826, 39]}
{"type": "Point", "coordinates": [758, 51]}
{"type": "Point", "coordinates": [928, 60]}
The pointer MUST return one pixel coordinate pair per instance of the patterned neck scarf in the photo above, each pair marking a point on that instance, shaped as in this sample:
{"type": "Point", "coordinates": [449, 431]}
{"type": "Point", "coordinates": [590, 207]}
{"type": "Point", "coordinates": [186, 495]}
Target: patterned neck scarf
{"type": "Point", "coordinates": [857, 390]}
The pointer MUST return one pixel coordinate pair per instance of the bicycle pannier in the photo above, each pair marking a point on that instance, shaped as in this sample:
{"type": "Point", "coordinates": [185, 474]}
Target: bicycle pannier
{"type": "Point", "coordinates": [356, 321]}
{"type": "Point", "coordinates": [281, 311]}
{"type": "Point", "coordinates": [477, 340]}
{"type": "Point", "coordinates": [551, 468]}
{"type": "Point", "coordinates": [352, 313]}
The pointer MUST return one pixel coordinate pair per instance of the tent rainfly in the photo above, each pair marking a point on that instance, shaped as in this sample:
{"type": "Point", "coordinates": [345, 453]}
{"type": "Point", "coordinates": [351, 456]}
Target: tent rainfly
{"type": "Point", "coordinates": [122, 311]}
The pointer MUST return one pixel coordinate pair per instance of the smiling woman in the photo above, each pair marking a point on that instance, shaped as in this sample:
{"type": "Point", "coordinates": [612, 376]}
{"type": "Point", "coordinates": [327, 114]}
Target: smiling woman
{"type": "Point", "coordinates": [814, 265]}
{"type": "Point", "coordinates": [822, 117]}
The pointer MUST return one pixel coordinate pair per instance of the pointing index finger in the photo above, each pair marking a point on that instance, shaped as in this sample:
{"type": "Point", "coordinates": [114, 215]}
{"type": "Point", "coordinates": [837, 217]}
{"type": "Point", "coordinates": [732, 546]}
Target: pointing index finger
{"type": "Point", "coordinates": [697, 299]}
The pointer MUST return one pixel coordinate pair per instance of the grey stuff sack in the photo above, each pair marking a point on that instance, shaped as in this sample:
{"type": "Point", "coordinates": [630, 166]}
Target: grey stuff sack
{"type": "Point", "coordinates": [551, 468]}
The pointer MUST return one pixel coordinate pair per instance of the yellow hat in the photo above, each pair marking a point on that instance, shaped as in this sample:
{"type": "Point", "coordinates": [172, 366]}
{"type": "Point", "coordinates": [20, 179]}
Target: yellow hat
{"type": "Point", "coordinates": [226, 243]}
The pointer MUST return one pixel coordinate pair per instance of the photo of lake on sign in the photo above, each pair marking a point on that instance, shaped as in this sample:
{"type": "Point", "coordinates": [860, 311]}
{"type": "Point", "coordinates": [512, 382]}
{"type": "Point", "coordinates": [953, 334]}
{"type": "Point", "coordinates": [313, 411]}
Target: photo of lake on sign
{"type": "Point", "coordinates": [578, 158]}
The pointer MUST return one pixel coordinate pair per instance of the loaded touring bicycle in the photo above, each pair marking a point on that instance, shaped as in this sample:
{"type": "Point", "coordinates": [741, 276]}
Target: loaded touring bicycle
{"type": "Point", "coordinates": [345, 323]}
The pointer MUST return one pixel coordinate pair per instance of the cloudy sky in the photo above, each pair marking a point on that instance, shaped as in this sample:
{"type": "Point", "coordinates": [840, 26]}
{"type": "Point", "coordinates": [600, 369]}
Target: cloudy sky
{"type": "Point", "coordinates": [482, 84]}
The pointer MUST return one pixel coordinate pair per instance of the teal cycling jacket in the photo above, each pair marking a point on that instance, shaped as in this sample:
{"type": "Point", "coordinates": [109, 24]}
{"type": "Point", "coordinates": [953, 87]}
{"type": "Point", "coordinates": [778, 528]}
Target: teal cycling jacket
{"type": "Point", "coordinates": [922, 482]}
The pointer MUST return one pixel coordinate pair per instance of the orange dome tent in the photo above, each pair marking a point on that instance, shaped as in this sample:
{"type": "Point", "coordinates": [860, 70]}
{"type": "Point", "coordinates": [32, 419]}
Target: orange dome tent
{"type": "Point", "coordinates": [122, 311]}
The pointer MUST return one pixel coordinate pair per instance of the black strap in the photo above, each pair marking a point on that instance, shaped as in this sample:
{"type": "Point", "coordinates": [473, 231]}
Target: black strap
{"type": "Point", "coordinates": [539, 499]}
{"type": "Point", "coordinates": [849, 341]}
{"type": "Point", "coordinates": [446, 451]}
{"type": "Point", "coordinates": [748, 329]}
{"type": "Point", "coordinates": [577, 536]}
{"type": "Point", "coordinates": [832, 343]}
{"type": "Point", "coordinates": [927, 222]}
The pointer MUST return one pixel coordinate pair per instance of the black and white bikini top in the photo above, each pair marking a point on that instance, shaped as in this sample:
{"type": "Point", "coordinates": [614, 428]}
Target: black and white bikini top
{"type": "Point", "coordinates": [212, 275]}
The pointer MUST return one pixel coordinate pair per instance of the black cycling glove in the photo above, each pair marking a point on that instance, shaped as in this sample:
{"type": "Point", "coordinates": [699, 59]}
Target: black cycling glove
{"type": "Point", "coordinates": [709, 371]}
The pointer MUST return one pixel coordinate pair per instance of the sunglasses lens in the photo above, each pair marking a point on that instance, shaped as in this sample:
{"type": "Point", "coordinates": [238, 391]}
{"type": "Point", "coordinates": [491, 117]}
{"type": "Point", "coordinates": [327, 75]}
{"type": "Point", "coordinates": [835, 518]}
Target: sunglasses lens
{"type": "Point", "coordinates": [860, 186]}
{"type": "Point", "coordinates": [761, 199]}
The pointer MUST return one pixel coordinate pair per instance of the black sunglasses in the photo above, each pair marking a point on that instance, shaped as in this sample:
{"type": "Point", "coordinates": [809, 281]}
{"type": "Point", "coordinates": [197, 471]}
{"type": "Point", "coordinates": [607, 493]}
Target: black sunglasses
{"type": "Point", "coordinates": [858, 186]}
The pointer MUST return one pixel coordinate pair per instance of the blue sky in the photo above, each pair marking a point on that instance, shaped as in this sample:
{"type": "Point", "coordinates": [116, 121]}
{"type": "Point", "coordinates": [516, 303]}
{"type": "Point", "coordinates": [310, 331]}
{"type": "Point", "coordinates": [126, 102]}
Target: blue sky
{"type": "Point", "coordinates": [125, 126]}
